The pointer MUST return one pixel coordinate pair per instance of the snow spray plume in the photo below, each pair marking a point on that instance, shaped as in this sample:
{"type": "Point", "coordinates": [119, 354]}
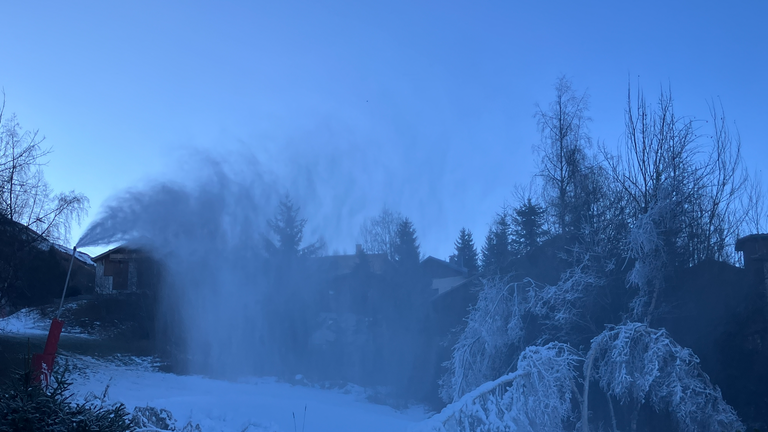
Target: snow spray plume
{"type": "Point", "coordinates": [207, 236]}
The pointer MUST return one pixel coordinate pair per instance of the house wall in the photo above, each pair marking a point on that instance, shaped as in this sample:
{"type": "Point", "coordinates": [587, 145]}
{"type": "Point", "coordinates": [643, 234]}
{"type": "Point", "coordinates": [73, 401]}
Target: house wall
{"type": "Point", "coordinates": [127, 272]}
{"type": "Point", "coordinates": [118, 268]}
{"type": "Point", "coordinates": [132, 276]}
{"type": "Point", "coordinates": [103, 282]}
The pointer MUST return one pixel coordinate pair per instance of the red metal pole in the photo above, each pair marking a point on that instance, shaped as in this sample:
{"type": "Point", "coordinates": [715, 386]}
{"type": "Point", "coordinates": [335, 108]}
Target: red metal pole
{"type": "Point", "coordinates": [43, 363]}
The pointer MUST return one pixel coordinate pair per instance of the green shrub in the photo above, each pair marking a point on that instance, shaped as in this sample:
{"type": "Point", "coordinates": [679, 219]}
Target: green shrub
{"type": "Point", "coordinates": [26, 406]}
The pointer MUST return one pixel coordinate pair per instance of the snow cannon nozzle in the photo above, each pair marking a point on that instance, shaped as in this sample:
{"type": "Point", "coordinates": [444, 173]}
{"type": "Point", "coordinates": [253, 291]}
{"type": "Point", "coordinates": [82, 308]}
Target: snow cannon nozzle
{"type": "Point", "coordinates": [66, 282]}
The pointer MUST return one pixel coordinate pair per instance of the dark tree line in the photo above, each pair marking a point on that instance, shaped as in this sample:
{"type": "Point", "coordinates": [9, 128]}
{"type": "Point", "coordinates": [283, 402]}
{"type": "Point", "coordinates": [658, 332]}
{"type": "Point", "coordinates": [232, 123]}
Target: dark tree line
{"type": "Point", "coordinates": [365, 326]}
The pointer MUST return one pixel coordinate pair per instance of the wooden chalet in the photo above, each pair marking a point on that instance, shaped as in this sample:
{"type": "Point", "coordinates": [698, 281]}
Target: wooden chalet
{"type": "Point", "coordinates": [124, 269]}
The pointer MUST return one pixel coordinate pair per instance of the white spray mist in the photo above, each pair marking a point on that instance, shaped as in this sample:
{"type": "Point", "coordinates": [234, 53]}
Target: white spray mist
{"type": "Point", "coordinates": [207, 234]}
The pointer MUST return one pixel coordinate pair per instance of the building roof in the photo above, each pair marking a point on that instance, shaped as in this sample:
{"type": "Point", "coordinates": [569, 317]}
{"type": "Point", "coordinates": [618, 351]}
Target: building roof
{"type": "Point", "coordinates": [81, 256]}
{"type": "Point", "coordinates": [342, 264]}
{"type": "Point", "coordinates": [438, 268]}
{"type": "Point", "coordinates": [40, 241]}
{"type": "Point", "coordinates": [445, 286]}
{"type": "Point", "coordinates": [752, 238]}
{"type": "Point", "coordinates": [113, 251]}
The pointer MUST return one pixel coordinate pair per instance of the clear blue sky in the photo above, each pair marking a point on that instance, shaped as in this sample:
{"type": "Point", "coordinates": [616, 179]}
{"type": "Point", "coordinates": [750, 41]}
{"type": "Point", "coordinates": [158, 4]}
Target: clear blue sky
{"type": "Point", "coordinates": [424, 105]}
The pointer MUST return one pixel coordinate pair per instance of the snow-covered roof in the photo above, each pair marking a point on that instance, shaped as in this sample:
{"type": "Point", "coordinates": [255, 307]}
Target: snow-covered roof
{"type": "Point", "coordinates": [120, 250]}
{"type": "Point", "coordinates": [81, 256]}
{"type": "Point", "coordinates": [446, 284]}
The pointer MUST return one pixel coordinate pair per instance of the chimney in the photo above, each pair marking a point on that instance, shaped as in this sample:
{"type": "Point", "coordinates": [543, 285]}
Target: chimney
{"type": "Point", "coordinates": [358, 248]}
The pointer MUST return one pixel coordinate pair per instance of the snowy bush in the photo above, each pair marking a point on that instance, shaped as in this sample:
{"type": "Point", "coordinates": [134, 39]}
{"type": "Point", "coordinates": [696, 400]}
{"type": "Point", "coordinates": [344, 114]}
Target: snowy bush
{"type": "Point", "coordinates": [535, 398]}
{"type": "Point", "coordinates": [562, 305]}
{"type": "Point", "coordinates": [494, 326]}
{"type": "Point", "coordinates": [646, 246]}
{"type": "Point", "coordinates": [158, 420]}
{"type": "Point", "coordinates": [543, 395]}
{"type": "Point", "coordinates": [638, 363]}
{"type": "Point", "coordinates": [151, 418]}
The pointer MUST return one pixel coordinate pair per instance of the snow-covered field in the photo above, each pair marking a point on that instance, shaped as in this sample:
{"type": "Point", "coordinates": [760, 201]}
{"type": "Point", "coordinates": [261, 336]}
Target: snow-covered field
{"type": "Point", "coordinates": [246, 405]}
{"type": "Point", "coordinates": [253, 404]}
{"type": "Point", "coordinates": [31, 322]}
{"type": "Point", "coordinates": [25, 322]}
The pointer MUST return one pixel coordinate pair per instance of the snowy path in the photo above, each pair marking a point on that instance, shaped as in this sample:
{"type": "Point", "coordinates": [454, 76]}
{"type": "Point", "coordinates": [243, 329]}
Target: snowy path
{"type": "Point", "coordinates": [246, 405]}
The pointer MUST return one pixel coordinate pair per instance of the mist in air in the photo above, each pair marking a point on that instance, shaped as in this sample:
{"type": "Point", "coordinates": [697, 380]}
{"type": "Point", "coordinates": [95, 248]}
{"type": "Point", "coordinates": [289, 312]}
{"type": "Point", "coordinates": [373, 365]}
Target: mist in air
{"type": "Point", "coordinates": [205, 230]}
{"type": "Point", "coordinates": [232, 301]}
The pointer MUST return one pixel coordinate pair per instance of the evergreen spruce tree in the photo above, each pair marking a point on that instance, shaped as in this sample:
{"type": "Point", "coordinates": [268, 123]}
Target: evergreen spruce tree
{"type": "Point", "coordinates": [407, 249]}
{"type": "Point", "coordinates": [466, 252]}
{"type": "Point", "coordinates": [527, 227]}
{"type": "Point", "coordinates": [403, 310]}
{"type": "Point", "coordinates": [497, 251]}
{"type": "Point", "coordinates": [288, 229]}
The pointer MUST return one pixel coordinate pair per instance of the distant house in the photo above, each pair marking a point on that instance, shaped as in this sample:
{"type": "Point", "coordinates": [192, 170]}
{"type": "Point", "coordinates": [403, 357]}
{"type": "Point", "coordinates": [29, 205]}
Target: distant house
{"type": "Point", "coordinates": [445, 275]}
{"type": "Point", "coordinates": [754, 248]}
{"type": "Point", "coordinates": [338, 265]}
{"type": "Point", "coordinates": [81, 280]}
{"type": "Point", "coordinates": [453, 293]}
{"type": "Point", "coordinates": [344, 290]}
{"type": "Point", "coordinates": [124, 269]}
{"type": "Point", "coordinates": [35, 267]}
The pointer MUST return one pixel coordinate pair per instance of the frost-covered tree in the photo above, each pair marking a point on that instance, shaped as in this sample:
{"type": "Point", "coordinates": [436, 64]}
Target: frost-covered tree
{"type": "Point", "coordinates": [496, 325]}
{"type": "Point", "coordinates": [563, 309]}
{"type": "Point", "coordinates": [666, 201]}
{"type": "Point", "coordinates": [535, 398]}
{"type": "Point", "coordinates": [494, 331]}
{"type": "Point", "coordinates": [646, 246]}
{"type": "Point", "coordinates": [699, 177]}
{"type": "Point", "coordinates": [637, 364]}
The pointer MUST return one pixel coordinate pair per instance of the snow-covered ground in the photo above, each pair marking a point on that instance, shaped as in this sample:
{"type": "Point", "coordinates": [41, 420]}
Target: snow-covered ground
{"type": "Point", "coordinates": [30, 322]}
{"type": "Point", "coordinates": [256, 404]}
{"type": "Point", "coordinates": [25, 322]}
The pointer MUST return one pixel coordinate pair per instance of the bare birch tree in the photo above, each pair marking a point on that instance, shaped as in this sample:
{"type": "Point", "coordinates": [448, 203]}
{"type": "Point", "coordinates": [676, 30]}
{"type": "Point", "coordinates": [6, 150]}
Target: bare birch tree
{"type": "Point", "coordinates": [379, 234]}
{"type": "Point", "coordinates": [563, 165]}
{"type": "Point", "coordinates": [754, 205]}
{"type": "Point", "coordinates": [31, 212]}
